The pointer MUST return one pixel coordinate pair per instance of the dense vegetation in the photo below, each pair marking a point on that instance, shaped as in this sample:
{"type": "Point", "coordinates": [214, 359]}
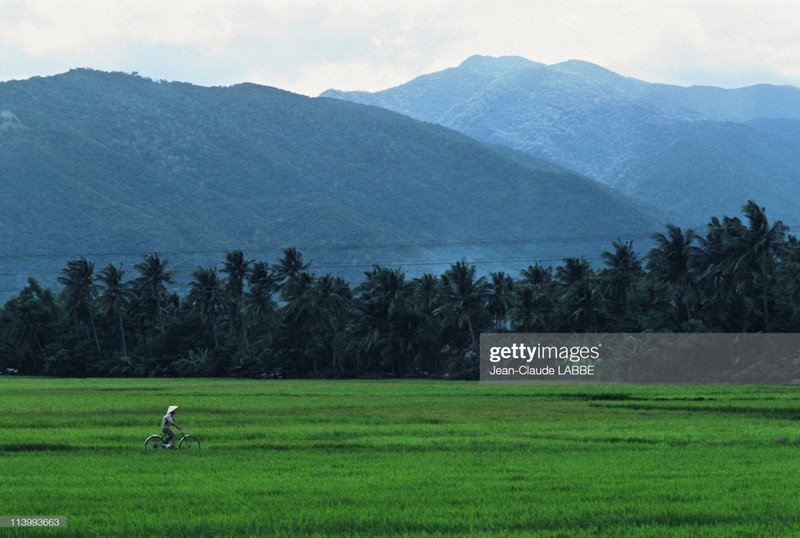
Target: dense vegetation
{"type": "Point", "coordinates": [402, 458]}
{"type": "Point", "coordinates": [691, 151]}
{"type": "Point", "coordinates": [94, 163]}
{"type": "Point", "coordinates": [253, 318]}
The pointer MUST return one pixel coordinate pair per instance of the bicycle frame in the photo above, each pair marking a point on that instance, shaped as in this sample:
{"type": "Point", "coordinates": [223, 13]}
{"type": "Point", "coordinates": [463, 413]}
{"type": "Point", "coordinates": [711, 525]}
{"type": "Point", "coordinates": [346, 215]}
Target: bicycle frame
{"type": "Point", "coordinates": [160, 441]}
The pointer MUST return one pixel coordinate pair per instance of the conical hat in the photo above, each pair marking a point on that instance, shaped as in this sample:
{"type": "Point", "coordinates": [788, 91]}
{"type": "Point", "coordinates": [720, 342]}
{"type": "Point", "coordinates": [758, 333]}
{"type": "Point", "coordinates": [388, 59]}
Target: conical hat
{"type": "Point", "coordinates": [171, 409]}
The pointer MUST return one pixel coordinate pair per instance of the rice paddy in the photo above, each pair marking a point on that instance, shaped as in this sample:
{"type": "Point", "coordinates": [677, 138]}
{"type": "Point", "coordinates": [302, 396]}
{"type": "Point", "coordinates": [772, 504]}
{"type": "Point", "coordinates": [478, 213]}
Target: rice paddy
{"type": "Point", "coordinates": [401, 458]}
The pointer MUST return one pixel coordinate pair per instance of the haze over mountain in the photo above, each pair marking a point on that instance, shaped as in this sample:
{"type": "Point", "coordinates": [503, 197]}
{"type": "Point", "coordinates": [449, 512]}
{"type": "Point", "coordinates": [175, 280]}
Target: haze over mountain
{"type": "Point", "coordinates": [111, 165]}
{"type": "Point", "coordinates": [693, 151]}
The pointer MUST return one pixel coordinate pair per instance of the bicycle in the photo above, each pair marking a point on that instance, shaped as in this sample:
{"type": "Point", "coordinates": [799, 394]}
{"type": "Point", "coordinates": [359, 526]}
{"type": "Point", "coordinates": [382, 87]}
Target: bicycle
{"type": "Point", "coordinates": [183, 442]}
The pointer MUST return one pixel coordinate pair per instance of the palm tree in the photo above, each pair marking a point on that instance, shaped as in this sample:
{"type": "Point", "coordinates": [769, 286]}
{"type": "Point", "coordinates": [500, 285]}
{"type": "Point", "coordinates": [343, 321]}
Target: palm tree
{"type": "Point", "coordinates": [464, 297]}
{"type": "Point", "coordinates": [79, 294]}
{"type": "Point", "coordinates": [676, 264]}
{"type": "Point", "coordinates": [623, 270]}
{"type": "Point", "coordinates": [762, 245]}
{"type": "Point", "coordinates": [151, 288]}
{"type": "Point", "coordinates": [500, 297]}
{"type": "Point", "coordinates": [297, 316]}
{"type": "Point", "coordinates": [385, 304]}
{"type": "Point", "coordinates": [236, 267]}
{"type": "Point", "coordinates": [259, 300]}
{"type": "Point", "coordinates": [114, 299]}
{"type": "Point", "coordinates": [533, 299]}
{"type": "Point", "coordinates": [206, 297]}
{"type": "Point", "coordinates": [289, 268]}
{"type": "Point", "coordinates": [674, 257]}
{"type": "Point", "coordinates": [331, 301]}
{"type": "Point", "coordinates": [537, 275]}
{"type": "Point", "coordinates": [425, 299]}
{"type": "Point", "coordinates": [582, 303]}
{"type": "Point", "coordinates": [426, 292]}
{"type": "Point", "coordinates": [727, 303]}
{"type": "Point", "coordinates": [33, 315]}
{"type": "Point", "coordinates": [722, 242]}
{"type": "Point", "coordinates": [530, 308]}
{"type": "Point", "coordinates": [296, 290]}
{"type": "Point", "coordinates": [787, 274]}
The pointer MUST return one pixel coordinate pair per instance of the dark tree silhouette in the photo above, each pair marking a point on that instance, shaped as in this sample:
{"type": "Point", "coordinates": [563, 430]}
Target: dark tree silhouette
{"type": "Point", "coordinates": [114, 300]}
{"type": "Point", "coordinates": [206, 297]}
{"type": "Point", "coordinates": [237, 268]}
{"type": "Point", "coordinates": [79, 294]}
{"type": "Point", "coordinates": [151, 288]}
{"type": "Point", "coordinates": [463, 297]}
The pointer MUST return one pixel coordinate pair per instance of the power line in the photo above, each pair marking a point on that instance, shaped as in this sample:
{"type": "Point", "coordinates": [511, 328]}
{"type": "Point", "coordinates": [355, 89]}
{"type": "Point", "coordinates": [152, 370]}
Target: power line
{"type": "Point", "coordinates": [354, 246]}
{"type": "Point", "coordinates": [503, 241]}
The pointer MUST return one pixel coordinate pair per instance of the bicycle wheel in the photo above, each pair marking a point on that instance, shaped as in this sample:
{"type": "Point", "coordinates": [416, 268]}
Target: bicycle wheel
{"type": "Point", "coordinates": [190, 442]}
{"type": "Point", "coordinates": [153, 442]}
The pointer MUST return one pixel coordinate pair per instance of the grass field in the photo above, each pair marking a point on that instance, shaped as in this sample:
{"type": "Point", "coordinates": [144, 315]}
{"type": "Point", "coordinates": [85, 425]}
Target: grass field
{"type": "Point", "coordinates": [375, 458]}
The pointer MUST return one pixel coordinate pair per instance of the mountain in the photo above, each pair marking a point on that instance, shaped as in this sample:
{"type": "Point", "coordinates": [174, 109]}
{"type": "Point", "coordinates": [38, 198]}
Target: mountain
{"type": "Point", "coordinates": [692, 152]}
{"type": "Point", "coordinates": [111, 166]}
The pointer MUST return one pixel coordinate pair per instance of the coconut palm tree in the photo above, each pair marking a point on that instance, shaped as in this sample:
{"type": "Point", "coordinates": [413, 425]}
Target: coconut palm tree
{"type": "Point", "coordinates": [33, 316]}
{"type": "Point", "coordinates": [762, 245]}
{"type": "Point", "coordinates": [237, 268]}
{"type": "Point", "coordinates": [426, 291]}
{"type": "Point", "coordinates": [537, 275]}
{"type": "Point", "coordinates": [624, 269]}
{"type": "Point", "coordinates": [580, 300]}
{"type": "Point", "coordinates": [259, 299]}
{"type": "Point", "coordinates": [151, 290]}
{"type": "Point", "coordinates": [533, 303]}
{"type": "Point", "coordinates": [384, 307]}
{"type": "Point", "coordinates": [787, 279]}
{"type": "Point", "coordinates": [207, 298]}
{"type": "Point", "coordinates": [296, 321]}
{"type": "Point", "coordinates": [330, 307]}
{"type": "Point", "coordinates": [530, 309]}
{"type": "Point", "coordinates": [79, 294]}
{"type": "Point", "coordinates": [674, 257]}
{"type": "Point", "coordinates": [464, 298]}
{"type": "Point", "coordinates": [721, 244]}
{"type": "Point", "coordinates": [676, 265]}
{"type": "Point", "coordinates": [425, 299]}
{"type": "Point", "coordinates": [114, 299]}
{"type": "Point", "coordinates": [500, 297]}
{"type": "Point", "coordinates": [288, 268]}
{"type": "Point", "coordinates": [726, 297]}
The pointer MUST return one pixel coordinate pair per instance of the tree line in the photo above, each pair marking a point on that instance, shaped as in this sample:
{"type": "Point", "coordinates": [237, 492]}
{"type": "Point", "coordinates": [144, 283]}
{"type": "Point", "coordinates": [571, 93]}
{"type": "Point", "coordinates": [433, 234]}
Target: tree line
{"type": "Point", "coordinates": [250, 318]}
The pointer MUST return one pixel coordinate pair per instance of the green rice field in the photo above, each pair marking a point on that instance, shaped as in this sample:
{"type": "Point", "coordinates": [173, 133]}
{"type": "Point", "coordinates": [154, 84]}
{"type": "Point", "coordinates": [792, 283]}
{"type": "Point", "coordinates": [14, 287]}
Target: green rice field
{"type": "Point", "coordinates": [401, 458]}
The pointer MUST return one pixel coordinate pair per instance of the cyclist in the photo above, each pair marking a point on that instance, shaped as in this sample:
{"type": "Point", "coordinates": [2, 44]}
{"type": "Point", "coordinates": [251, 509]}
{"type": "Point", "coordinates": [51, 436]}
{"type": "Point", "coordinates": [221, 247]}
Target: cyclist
{"type": "Point", "coordinates": [168, 421]}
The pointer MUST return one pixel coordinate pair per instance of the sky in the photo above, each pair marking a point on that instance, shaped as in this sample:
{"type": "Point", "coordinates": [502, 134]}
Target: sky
{"type": "Point", "coordinates": [308, 46]}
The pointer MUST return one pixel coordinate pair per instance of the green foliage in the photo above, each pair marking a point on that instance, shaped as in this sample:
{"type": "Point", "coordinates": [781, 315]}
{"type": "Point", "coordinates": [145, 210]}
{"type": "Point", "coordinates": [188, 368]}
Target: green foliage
{"type": "Point", "coordinates": [686, 152]}
{"type": "Point", "coordinates": [402, 458]}
{"type": "Point", "coordinates": [284, 320]}
{"type": "Point", "coordinates": [113, 163]}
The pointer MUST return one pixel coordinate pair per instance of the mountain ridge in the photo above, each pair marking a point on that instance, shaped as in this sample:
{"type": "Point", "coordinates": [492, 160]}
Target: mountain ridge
{"type": "Point", "coordinates": [114, 163]}
{"type": "Point", "coordinates": [612, 128]}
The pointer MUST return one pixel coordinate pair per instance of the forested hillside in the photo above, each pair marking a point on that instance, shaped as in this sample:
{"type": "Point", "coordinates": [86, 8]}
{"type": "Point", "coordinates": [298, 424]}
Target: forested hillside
{"type": "Point", "coordinates": [278, 318]}
{"type": "Point", "coordinates": [112, 166]}
{"type": "Point", "coordinates": [689, 152]}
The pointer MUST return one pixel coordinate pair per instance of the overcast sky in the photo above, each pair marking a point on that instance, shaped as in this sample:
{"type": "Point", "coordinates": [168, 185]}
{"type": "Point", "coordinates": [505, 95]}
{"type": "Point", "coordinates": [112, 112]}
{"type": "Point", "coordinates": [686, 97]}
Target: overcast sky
{"type": "Point", "coordinates": [308, 46]}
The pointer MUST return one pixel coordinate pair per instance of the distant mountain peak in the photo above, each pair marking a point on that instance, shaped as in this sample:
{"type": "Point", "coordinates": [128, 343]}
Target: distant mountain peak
{"type": "Point", "coordinates": [497, 62]}
{"type": "Point", "coordinates": [644, 138]}
{"type": "Point", "coordinates": [102, 162]}
{"type": "Point", "coordinates": [583, 68]}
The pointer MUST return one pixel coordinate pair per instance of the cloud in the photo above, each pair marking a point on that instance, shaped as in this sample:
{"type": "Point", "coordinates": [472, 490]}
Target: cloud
{"type": "Point", "coordinates": [309, 45]}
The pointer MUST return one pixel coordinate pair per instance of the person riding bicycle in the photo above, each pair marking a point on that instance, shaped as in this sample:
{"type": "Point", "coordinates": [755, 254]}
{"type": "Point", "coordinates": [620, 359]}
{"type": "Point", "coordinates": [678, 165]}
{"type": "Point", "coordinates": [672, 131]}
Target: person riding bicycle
{"type": "Point", "coordinates": [168, 421]}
